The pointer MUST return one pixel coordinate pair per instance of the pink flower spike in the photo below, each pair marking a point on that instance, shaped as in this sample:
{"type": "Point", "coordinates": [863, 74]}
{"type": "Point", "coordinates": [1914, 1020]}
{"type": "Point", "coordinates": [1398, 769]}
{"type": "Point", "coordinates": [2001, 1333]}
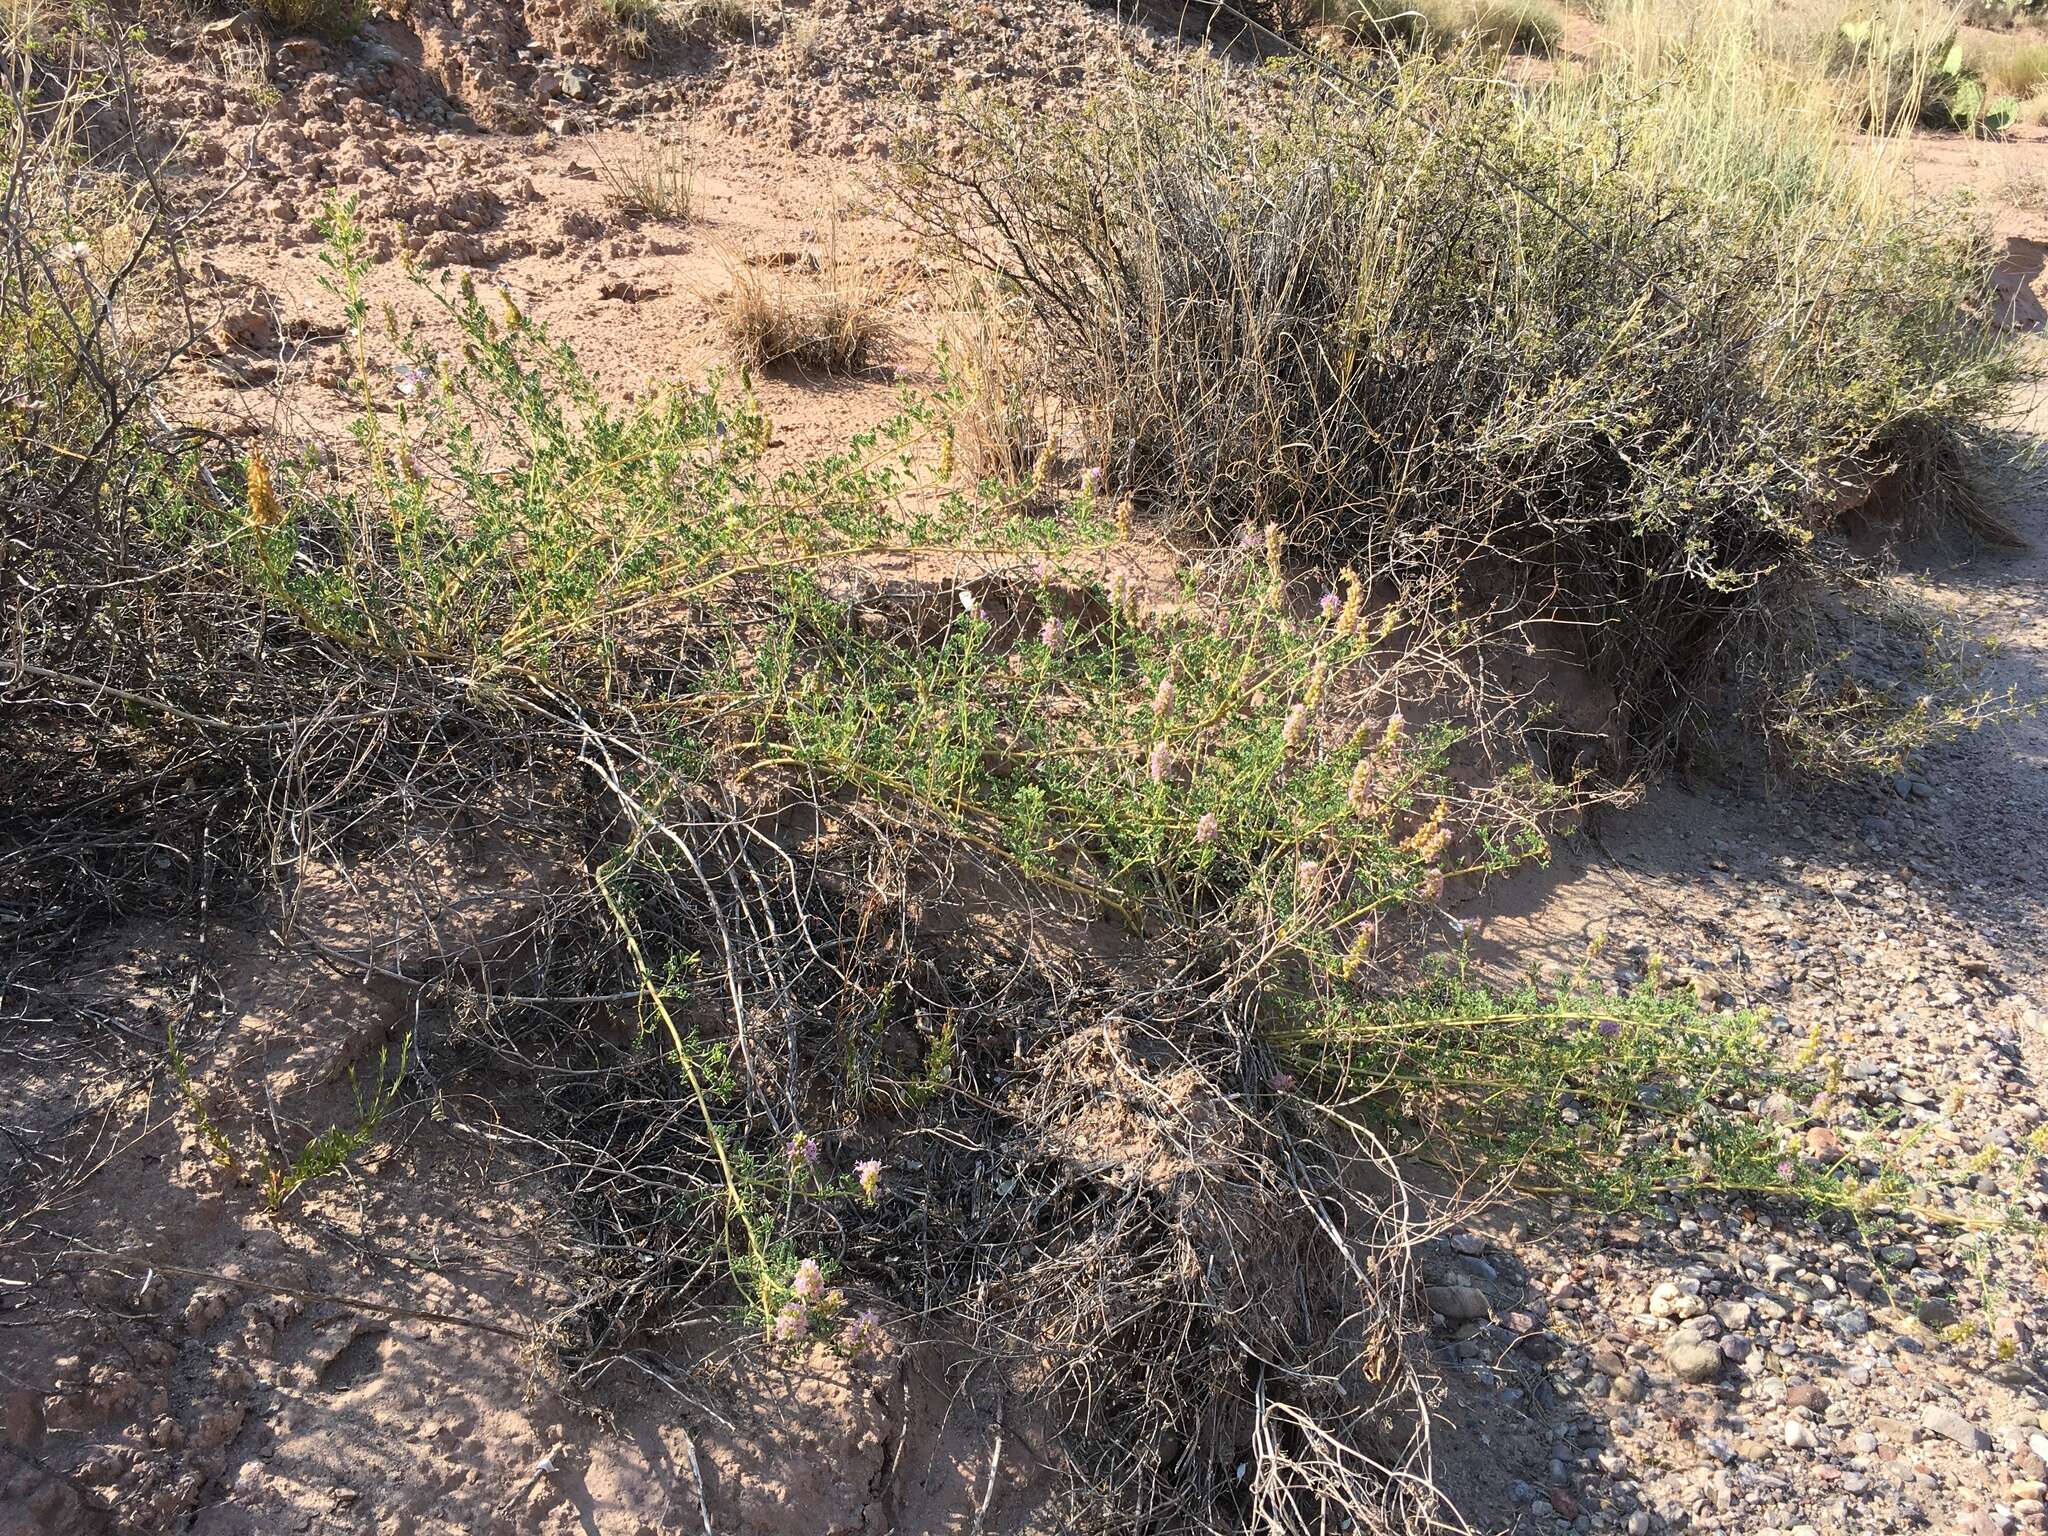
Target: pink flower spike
{"type": "Point", "coordinates": [870, 1175]}
{"type": "Point", "coordinates": [1161, 758]}
{"type": "Point", "coordinates": [809, 1283]}
{"type": "Point", "coordinates": [1206, 829]}
{"type": "Point", "coordinates": [792, 1323]}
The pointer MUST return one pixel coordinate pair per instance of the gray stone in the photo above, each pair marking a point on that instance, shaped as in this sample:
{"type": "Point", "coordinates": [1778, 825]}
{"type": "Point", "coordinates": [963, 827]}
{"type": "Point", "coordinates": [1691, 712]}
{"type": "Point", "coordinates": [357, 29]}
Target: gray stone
{"type": "Point", "coordinates": [1951, 1425]}
{"type": "Point", "coordinates": [1694, 1361]}
{"type": "Point", "coordinates": [1459, 1302]}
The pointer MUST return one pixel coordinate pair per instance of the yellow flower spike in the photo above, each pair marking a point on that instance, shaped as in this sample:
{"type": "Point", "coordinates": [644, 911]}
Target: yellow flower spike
{"type": "Point", "coordinates": [1273, 549]}
{"type": "Point", "coordinates": [1041, 467]}
{"type": "Point", "coordinates": [1354, 605]}
{"type": "Point", "coordinates": [1313, 695]}
{"type": "Point", "coordinates": [1124, 510]}
{"type": "Point", "coordinates": [946, 456]}
{"type": "Point", "coordinates": [513, 318]}
{"type": "Point", "coordinates": [391, 323]}
{"type": "Point", "coordinates": [1355, 956]}
{"type": "Point", "coordinates": [265, 510]}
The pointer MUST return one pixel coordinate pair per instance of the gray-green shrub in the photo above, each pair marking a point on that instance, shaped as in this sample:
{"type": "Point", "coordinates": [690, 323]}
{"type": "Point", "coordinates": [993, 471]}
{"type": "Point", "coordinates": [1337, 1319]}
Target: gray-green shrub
{"type": "Point", "coordinates": [1424, 327]}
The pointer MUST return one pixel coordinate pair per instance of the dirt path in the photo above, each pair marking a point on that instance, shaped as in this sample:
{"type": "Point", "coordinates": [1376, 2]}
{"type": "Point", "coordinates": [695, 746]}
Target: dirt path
{"type": "Point", "coordinates": [1881, 1381]}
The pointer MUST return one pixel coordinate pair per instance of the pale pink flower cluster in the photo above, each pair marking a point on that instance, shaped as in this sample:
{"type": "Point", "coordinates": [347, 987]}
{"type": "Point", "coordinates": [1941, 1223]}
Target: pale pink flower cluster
{"type": "Point", "coordinates": [792, 1322]}
{"type": "Point", "coordinates": [864, 1334]}
{"type": "Point", "coordinates": [869, 1172]}
{"type": "Point", "coordinates": [1295, 731]}
{"type": "Point", "coordinates": [1162, 698]}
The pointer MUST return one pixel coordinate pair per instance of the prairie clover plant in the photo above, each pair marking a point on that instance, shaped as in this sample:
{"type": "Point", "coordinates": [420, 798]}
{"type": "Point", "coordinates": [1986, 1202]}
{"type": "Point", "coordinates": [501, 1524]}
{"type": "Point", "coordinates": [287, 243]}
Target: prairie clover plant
{"type": "Point", "coordinates": [1190, 756]}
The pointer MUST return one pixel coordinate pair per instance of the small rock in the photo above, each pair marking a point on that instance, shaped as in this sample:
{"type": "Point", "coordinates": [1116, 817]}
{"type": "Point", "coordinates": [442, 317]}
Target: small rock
{"type": "Point", "coordinates": [1800, 1436]}
{"type": "Point", "coordinates": [242, 27]}
{"type": "Point", "coordinates": [1669, 1299]}
{"type": "Point", "coordinates": [1951, 1425]}
{"type": "Point", "coordinates": [1824, 1144]}
{"type": "Point", "coordinates": [1806, 1395]}
{"type": "Point", "coordinates": [1461, 1303]}
{"type": "Point", "coordinates": [1734, 1315]}
{"type": "Point", "coordinates": [2038, 1444]}
{"type": "Point", "coordinates": [21, 1418]}
{"type": "Point", "coordinates": [1639, 1523]}
{"type": "Point", "coordinates": [1694, 1361]}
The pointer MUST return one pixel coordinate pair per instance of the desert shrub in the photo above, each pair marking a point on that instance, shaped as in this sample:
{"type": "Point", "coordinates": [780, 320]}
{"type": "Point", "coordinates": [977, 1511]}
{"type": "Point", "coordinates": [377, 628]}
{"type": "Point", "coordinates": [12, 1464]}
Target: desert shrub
{"type": "Point", "coordinates": [1424, 329]}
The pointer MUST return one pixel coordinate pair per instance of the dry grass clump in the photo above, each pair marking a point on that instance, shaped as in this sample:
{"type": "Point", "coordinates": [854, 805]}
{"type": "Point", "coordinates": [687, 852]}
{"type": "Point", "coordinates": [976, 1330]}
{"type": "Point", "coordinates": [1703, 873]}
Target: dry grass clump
{"type": "Point", "coordinates": [715, 19]}
{"type": "Point", "coordinates": [825, 321]}
{"type": "Point", "coordinates": [1515, 26]}
{"type": "Point", "coordinates": [1511, 26]}
{"type": "Point", "coordinates": [2016, 68]}
{"type": "Point", "coordinates": [332, 19]}
{"type": "Point", "coordinates": [657, 180]}
{"type": "Point", "coordinates": [1422, 24]}
{"type": "Point", "coordinates": [1001, 425]}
